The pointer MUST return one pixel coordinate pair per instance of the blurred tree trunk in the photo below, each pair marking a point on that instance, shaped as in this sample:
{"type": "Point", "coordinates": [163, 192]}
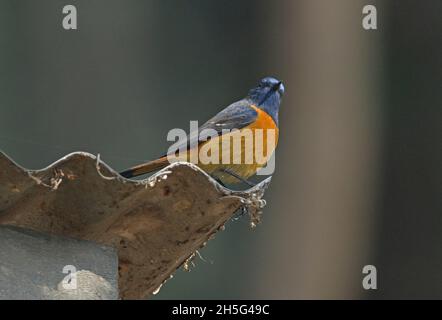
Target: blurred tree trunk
{"type": "Point", "coordinates": [323, 193]}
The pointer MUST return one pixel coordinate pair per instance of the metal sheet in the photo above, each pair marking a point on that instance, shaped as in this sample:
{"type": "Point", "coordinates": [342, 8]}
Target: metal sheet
{"type": "Point", "coordinates": [155, 224]}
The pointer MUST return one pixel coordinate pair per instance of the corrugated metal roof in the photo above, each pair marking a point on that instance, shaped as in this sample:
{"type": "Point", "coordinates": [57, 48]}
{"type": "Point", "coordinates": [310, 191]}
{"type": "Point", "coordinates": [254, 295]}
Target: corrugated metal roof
{"type": "Point", "coordinates": [155, 224]}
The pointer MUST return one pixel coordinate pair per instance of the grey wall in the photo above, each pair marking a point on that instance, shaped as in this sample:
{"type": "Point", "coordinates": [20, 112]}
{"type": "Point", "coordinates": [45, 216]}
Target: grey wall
{"type": "Point", "coordinates": [34, 266]}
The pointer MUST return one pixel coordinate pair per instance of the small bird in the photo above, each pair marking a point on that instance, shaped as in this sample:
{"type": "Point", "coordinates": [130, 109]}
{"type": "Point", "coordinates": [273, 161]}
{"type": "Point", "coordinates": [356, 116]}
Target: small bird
{"type": "Point", "coordinates": [258, 110]}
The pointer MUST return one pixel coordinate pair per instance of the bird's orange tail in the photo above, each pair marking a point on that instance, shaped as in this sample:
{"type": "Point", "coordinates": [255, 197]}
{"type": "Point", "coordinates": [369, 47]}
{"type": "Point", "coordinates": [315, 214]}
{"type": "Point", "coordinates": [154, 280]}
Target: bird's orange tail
{"type": "Point", "coordinates": [145, 168]}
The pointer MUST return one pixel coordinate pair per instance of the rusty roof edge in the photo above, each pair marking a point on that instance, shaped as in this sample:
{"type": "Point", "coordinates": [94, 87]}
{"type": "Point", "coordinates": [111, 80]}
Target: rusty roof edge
{"type": "Point", "coordinates": [260, 187]}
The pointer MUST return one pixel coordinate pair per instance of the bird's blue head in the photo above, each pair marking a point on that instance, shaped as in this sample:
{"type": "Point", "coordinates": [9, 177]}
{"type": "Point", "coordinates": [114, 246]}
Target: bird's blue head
{"type": "Point", "coordinates": [267, 96]}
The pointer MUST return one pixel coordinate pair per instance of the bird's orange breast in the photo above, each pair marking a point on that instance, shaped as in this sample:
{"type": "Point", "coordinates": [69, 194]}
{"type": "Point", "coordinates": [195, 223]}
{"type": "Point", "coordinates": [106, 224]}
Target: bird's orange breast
{"type": "Point", "coordinates": [263, 121]}
{"type": "Point", "coordinates": [266, 133]}
{"type": "Point", "coordinates": [245, 160]}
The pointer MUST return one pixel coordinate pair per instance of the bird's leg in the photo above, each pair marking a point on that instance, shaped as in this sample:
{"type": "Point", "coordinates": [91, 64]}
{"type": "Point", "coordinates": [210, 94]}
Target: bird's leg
{"type": "Point", "coordinates": [233, 174]}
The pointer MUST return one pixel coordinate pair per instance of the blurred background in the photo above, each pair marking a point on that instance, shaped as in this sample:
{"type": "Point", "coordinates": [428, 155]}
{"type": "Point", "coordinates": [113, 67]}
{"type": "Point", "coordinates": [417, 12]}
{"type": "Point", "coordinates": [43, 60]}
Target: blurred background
{"type": "Point", "coordinates": [358, 166]}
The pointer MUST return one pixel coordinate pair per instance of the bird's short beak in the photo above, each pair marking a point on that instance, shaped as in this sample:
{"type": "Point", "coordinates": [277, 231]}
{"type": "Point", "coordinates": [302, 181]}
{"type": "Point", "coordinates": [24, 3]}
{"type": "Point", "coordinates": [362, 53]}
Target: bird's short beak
{"type": "Point", "coordinates": [279, 87]}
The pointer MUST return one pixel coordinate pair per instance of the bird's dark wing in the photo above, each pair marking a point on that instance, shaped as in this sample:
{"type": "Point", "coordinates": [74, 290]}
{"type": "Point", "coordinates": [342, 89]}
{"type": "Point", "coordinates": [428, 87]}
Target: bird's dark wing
{"type": "Point", "coordinates": [236, 116]}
